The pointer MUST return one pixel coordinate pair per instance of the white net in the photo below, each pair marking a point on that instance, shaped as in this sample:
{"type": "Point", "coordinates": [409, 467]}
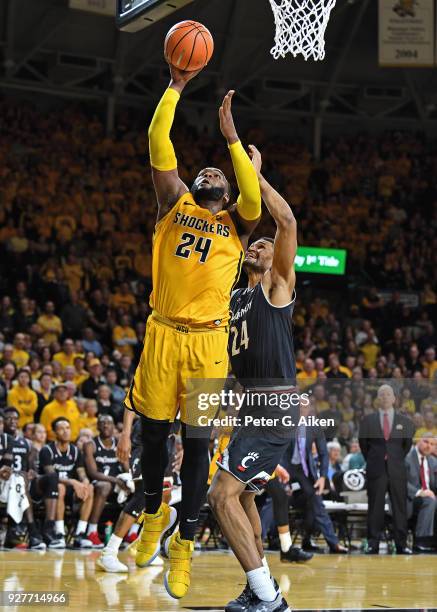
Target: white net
{"type": "Point", "coordinates": [300, 27]}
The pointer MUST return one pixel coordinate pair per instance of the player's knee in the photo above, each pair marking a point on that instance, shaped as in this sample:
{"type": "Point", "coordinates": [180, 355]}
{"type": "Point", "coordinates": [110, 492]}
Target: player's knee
{"type": "Point", "coordinates": [102, 489]}
{"type": "Point", "coordinates": [61, 491]}
{"type": "Point", "coordinates": [218, 497]}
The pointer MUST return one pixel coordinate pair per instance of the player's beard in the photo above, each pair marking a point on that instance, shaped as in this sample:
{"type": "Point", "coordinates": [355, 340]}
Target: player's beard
{"type": "Point", "coordinates": [207, 194]}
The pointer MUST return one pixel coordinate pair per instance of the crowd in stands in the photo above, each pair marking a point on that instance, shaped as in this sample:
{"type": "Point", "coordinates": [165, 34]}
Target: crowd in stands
{"type": "Point", "coordinates": [77, 213]}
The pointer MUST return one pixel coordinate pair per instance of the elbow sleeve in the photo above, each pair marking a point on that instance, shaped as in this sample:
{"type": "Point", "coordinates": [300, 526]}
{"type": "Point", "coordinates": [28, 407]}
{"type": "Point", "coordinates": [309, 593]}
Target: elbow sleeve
{"type": "Point", "coordinates": [162, 154]}
{"type": "Point", "coordinates": [249, 200]}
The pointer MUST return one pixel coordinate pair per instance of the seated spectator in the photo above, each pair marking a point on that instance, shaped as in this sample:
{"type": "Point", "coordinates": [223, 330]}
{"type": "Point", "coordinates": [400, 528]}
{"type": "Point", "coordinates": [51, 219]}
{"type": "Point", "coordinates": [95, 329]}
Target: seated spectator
{"type": "Point", "coordinates": [80, 373]}
{"type": "Point", "coordinates": [370, 349]}
{"type": "Point", "coordinates": [103, 469]}
{"type": "Point", "coordinates": [90, 344]}
{"type": "Point", "coordinates": [354, 460]}
{"type": "Point", "coordinates": [344, 436]}
{"type": "Point", "coordinates": [88, 417]}
{"type": "Point", "coordinates": [429, 425]}
{"type": "Point", "coordinates": [62, 457]}
{"type": "Point", "coordinates": [39, 437]}
{"type": "Point", "coordinates": [124, 337]}
{"type": "Point", "coordinates": [106, 405]}
{"type": "Point", "coordinates": [408, 405]}
{"type": "Point", "coordinates": [308, 375]}
{"type": "Point", "coordinates": [67, 355]}
{"type": "Point", "coordinates": [334, 458]}
{"type": "Point", "coordinates": [50, 324]}
{"type": "Point", "coordinates": [422, 492]}
{"type": "Point", "coordinates": [19, 354]}
{"type": "Point", "coordinates": [123, 298]}
{"type": "Point", "coordinates": [126, 371]}
{"type": "Point", "coordinates": [23, 398]}
{"type": "Point", "coordinates": [429, 363]}
{"type": "Point", "coordinates": [118, 393]}
{"type": "Point", "coordinates": [61, 406]}
{"type": "Point", "coordinates": [91, 385]}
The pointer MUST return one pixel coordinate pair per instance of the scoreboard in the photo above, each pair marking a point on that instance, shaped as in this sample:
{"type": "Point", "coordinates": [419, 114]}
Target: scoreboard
{"type": "Point", "coordinates": [134, 15]}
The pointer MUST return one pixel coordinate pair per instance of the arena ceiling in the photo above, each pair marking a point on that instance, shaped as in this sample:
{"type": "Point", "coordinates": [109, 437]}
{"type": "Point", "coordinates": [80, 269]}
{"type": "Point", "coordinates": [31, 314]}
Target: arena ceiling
{"type": "Point", "coordinates": [49, 48]}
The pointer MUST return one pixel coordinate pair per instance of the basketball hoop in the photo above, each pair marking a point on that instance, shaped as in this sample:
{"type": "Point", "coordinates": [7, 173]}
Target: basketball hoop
{"type": "Point", "coordinates": [300, 27]}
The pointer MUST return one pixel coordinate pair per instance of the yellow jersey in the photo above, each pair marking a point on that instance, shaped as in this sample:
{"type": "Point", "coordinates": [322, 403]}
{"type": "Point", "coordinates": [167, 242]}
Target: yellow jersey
{"type": "Point", "coordinates": [197, 259]}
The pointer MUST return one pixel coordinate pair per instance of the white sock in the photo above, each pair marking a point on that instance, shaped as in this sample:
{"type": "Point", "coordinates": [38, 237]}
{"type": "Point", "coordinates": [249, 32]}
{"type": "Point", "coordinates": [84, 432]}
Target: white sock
{"type": "Point", "coordinates": [266, 565]}
{"type": "Point", "coordinates": [92, 528]}
{"type": "Point", "coordinates": [285, 540]}
{"type": "Point", "coordinates": [261, 585]}
{"type": "Point", "coordinates": [134, 529]}
{"type": "Point", "coordinates": [60, 528]}
{"type": "Point", "coordinates": [81, 527]}
{"type": "Point", "coordinates": [113, 545]}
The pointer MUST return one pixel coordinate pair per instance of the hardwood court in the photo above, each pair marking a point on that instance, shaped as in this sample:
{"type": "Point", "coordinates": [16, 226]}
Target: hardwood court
{"type": "Point", "coordinates": [328, 581]}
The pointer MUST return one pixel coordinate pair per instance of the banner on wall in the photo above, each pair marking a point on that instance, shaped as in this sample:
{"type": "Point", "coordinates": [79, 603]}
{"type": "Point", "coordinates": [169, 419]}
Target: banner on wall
{"type": "Point", "coordinates": [406, 33]}
{"type": "Point", "coordinates": [101, 7]}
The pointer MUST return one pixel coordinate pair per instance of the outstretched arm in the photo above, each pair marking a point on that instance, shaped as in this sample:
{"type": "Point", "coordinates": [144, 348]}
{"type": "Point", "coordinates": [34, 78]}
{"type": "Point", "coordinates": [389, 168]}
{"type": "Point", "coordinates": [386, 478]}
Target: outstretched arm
{"type": "Point", "coordinates": [249, 200]}
{"type": "Point", "coordinates": [282, 274]}
{"type": "Point", "coordinates": [168, 186]}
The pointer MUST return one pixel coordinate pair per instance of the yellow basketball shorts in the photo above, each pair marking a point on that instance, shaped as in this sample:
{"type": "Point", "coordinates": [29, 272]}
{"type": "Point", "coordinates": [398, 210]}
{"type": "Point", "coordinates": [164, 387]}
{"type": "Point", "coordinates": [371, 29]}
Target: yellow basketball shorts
{"type": "Point", "coordinates": [179, 366]}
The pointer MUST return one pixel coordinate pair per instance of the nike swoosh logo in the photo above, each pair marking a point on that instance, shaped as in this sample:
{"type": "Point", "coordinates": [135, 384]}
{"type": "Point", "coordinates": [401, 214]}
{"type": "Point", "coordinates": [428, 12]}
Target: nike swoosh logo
{"type": "Point", "coordinates": [216, 362]}
{"type": "Point", "coordinates": [192, 520]}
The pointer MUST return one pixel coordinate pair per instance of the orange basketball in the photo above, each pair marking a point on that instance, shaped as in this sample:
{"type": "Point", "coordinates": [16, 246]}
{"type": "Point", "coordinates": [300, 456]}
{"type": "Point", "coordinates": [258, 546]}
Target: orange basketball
{"type": "Point", "coordinates": [188, 46]}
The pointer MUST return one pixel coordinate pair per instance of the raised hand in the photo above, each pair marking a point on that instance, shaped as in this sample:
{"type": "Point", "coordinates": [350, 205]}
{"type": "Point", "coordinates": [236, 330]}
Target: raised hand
{"type": "Point", "coordinates": [179, 78]}
{"type": "Point", "coordinates": [227, 125]}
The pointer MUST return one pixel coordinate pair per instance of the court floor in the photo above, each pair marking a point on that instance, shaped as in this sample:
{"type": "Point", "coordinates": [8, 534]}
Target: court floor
{"type": "Point", "coordinates": [352, 582]}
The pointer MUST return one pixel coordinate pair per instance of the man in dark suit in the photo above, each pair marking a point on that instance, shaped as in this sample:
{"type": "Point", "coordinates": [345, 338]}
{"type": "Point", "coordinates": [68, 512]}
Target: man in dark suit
{"type": "Point", "coordinates": [301, 465]}
{"type": "Point", "coordinates": [422, 489]}
{"type": "Point", "coordinates": [385, 439]}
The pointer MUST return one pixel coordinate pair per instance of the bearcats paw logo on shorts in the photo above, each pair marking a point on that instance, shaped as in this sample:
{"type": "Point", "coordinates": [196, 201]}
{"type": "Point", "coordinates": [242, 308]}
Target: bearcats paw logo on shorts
{"type": "Point", "coordinates": [250, 457]}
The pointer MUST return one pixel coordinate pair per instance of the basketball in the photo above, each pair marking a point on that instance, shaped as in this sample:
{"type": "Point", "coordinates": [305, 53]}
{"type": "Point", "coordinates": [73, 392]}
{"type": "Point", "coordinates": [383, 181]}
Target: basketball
{"type": "Point", "coordinates": [189, 45]}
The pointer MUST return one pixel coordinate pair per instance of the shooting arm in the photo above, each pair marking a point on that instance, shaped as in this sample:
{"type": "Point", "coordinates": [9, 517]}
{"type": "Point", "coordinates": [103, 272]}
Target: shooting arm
{"type": "Point", "coordinates": [168, 185]}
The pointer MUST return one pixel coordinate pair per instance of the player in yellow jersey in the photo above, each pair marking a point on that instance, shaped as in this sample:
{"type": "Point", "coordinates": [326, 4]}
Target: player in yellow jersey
{"type": "Point", "coordinates": [198, 247]}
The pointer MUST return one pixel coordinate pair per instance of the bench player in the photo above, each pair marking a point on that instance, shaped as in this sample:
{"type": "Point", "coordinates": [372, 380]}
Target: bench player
{"type": "Point", "coordinates": [103, 468]}
{"type": "Point", "coordinates": [64, 458]}
{"type": "Point", "coordinates": [198, 249]}
{"type": "Point", "coordinates": [262, 359]}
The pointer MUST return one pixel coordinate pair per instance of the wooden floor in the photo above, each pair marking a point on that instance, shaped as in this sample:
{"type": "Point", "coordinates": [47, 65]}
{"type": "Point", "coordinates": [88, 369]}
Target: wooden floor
{"type": "Point", "coordinates": [327, 582]}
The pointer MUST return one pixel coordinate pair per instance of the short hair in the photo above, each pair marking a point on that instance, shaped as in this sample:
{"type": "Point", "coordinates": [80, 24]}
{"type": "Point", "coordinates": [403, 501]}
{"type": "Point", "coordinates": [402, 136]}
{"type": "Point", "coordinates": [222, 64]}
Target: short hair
{"type": "Point", "coordinates": [10, 409]}
{"type": "Point", "coordinates": [333, 445]}
{"type": "Point", "coordinates": [58, 420]}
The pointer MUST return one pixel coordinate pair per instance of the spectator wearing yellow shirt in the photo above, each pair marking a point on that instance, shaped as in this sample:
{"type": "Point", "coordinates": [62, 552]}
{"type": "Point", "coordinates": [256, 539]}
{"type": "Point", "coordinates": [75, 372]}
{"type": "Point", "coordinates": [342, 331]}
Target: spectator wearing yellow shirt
{"type": "Point", "coordinates": [61, 406]}
{"type": "Point", "coordinates": [50, 324]}
{"type": "Point", "coordinates": [80, 374]}
{"type": "Point", "coordinates": [19, 355]}
{"type": "Point", "coordinates": [123, 298]}
{"type": "Point", "coordinates": [370, 350]}
{"type": "Point", "coordinates": [308, 375]}
{"type": "Point", "coordinates": [74, 273]}
{"type": "Point", "coordinates": [319, 399]}
{"type": "Point", "coordinates": [429, 425]}
{"type": "Point", "coordinates": [408, 405]}
{"type": "Point", "coordinates": [23, 398]}
{"type": "Point", "coordinates": [124, 337]}
{"type": "Point", "coordinates": [67, 355]}
{"type": "Point", "coordinates": [430, 362]}
{"type": "Point", "coordinates": [88, 418]}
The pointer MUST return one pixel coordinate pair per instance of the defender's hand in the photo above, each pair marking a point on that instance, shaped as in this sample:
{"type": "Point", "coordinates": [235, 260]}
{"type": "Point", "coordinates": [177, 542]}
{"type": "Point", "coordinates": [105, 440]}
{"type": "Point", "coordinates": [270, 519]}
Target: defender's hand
{"type": "Point", "coordinates": [256, 158]}
{"type": "Point", "coordinates": [227, 125]}
{"type": "Point", "coordinates": [179, 78]}
{"type": "Point", "coordinates": [123, 448]}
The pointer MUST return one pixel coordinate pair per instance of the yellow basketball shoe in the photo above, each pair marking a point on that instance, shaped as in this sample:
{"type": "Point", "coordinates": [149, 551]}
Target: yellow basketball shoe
{"type": "Point", "coordinates": [177, 579]}
{"type": "Point", "coordinates": [154, 527]}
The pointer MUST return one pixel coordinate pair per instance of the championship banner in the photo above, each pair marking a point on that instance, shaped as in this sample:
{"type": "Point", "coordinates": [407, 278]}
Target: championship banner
{"type": "Point", "coordinates": [320, 260]}
{"type": "Point", "coordinates": [101, 7]}
{"type": "Point", "coordinates": [406, 33]}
